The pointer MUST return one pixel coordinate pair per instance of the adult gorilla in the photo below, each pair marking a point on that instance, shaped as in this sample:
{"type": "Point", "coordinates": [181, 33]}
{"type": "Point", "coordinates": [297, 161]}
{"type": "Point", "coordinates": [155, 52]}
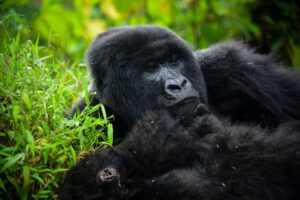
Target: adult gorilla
{"type": "Point", "coordinates": [135, 69]}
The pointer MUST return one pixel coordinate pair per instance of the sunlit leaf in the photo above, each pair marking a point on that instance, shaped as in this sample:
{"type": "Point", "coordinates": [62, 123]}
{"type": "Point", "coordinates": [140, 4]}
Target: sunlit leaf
{"type": "Point", "coordinates": [26, 100]}
{"type": "Point", "coordinates": [110, 134]}
{"type": "Point", "coordinates": [16, 110]}
{"type": "Point", "coordinates": [94, 28]}
{"type": "Point", "coordinates": [110, 10]}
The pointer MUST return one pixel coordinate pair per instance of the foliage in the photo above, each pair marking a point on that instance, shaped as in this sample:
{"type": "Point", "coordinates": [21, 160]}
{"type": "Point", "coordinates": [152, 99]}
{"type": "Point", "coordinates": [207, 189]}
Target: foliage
{"type": "Point", "coordinates": [37, 143]}
{"type": "Point", "coordinates": [71, 25]}
{"type": "Point", "coordinates": [42, 47]}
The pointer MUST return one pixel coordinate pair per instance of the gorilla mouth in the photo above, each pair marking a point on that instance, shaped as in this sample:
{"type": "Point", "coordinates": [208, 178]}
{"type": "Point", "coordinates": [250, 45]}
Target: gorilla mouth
{"type": "Point", "coordinates": [183, 109]}
{"type": "Point", "coordinates": [188, 100]}
{"type": "Point", "coordinates": [183, 101]}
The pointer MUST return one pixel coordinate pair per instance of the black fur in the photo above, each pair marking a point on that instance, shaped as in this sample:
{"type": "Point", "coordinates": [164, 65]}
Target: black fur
{"type": "Point", "coordinates": [160, 159]}
{"type": "Point", "coordinates": [249, 87]}
{"type": "Point", "coordinates": [175, 154]}
{"type": "Point", "coordinates": [237, 83]}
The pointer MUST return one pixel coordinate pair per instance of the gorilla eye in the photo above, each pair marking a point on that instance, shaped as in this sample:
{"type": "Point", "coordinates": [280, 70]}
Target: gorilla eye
{"type": "Point", "coordinates": [174, 58]}
{"type": "Point", "coordinates": [151, 66]}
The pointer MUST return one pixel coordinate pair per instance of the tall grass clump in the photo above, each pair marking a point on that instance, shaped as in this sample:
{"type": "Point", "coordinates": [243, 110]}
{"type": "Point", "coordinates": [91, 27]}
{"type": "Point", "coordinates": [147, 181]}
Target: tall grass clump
{"type": "Point", "coordinates": [37, 143]}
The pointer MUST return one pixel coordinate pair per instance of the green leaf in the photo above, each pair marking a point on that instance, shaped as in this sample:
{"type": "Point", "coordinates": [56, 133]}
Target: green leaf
{"type": "Point", "coordinates": [39, 179]}
{"type": "Point", "coordinates": [94, 109]}
{"type": "Point", "coordinates": [110, 136]}
{"type": "Point", "coordinates": [87, 97]}
{"type": "Point", "coordinates": [2, 185]}
{"type": "Point", "coordinates": [29, 137]}
{"type": "Point", "coordinates": [16, 111]}
{"type": "Point", "coordinates": [26, 175]}
{"type": "Point", "coordinates": [26, 100]}
{"type": "Point", "coordinates": [73, 154]}
{"type": "Point", "coordinates": [45, 155]}
{"type": "Point", "coordinates": [12, 160]}
{"type": "Point", "coordinates": [103, 111]}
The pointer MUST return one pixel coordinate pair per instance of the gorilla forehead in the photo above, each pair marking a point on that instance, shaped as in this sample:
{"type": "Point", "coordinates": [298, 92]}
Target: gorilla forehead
{"type": "Point", "coordinates": [163, 50]}
{"type": "Point", "coordinates": [137, 36]}
{"type": "Point", "coordinates": [130, 43]}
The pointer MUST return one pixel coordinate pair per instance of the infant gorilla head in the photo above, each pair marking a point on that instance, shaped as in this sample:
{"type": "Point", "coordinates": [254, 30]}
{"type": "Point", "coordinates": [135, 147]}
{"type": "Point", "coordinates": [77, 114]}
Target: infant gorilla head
{"type": "Point", "coordinates": [162, 160]}
{"type": "Point", "coordinates": [142, 68]}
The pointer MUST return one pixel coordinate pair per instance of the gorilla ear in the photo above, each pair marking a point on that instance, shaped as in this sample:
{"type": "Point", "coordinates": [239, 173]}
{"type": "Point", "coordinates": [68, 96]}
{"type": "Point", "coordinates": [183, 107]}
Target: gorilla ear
{"type": "Point", "coordinates": [107, 175]}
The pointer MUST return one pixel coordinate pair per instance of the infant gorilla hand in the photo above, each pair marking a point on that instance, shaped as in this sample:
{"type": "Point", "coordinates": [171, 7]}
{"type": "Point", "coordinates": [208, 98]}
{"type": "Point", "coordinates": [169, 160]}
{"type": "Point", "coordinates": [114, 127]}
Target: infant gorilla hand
{"type": "Point", "coordinates": [97, 176]}
{"type": "Point", "coordinates": [108, 175]}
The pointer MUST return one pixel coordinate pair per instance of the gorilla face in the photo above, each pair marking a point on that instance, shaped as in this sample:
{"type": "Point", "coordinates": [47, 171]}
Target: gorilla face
{"type": "Point", "coordinates": [142, 68]}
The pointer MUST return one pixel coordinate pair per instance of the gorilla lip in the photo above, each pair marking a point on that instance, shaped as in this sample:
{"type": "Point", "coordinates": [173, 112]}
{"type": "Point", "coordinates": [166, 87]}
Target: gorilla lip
{"type": "Point", "coordinates": [183, 101]}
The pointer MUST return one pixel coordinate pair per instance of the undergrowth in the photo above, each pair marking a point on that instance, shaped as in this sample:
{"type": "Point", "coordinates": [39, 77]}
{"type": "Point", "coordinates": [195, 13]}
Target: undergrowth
{"type": "Point", "coordinates": [37, 143]}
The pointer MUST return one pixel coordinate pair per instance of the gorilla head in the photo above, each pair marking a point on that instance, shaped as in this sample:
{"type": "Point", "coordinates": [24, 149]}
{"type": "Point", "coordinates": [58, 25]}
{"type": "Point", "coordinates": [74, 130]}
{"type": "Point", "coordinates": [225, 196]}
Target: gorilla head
{"type": "Point", "coordinates": [142, 68]}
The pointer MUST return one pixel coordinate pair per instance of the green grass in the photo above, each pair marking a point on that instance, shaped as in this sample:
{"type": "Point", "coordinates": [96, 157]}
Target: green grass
{"type": "Point", "coordinates": [37, 144]}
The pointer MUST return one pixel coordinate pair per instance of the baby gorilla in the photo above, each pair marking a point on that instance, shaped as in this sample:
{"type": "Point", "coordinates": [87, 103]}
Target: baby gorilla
{"type": "Point", "coordinates": [160, 159]}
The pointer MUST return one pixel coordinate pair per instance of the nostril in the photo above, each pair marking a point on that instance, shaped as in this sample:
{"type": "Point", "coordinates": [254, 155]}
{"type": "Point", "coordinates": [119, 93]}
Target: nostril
{"type": "Point", "coordinates": [174, 88]}
{"type": "Point", "coordinates": [184, 82]}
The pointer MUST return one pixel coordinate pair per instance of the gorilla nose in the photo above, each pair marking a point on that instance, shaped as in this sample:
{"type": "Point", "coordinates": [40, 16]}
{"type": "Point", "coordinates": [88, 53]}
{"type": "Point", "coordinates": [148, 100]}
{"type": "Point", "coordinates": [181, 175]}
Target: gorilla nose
{"type": "Point", "coordinates": [175, 86]}
{"type": "Point", "coordinates": [177, 90]}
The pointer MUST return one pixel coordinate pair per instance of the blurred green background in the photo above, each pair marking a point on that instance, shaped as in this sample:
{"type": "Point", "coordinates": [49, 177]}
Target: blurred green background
{"type": "Point", "coordinates": [69, 25]}
{"type": "Point", "coordinates": [43, 70]}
